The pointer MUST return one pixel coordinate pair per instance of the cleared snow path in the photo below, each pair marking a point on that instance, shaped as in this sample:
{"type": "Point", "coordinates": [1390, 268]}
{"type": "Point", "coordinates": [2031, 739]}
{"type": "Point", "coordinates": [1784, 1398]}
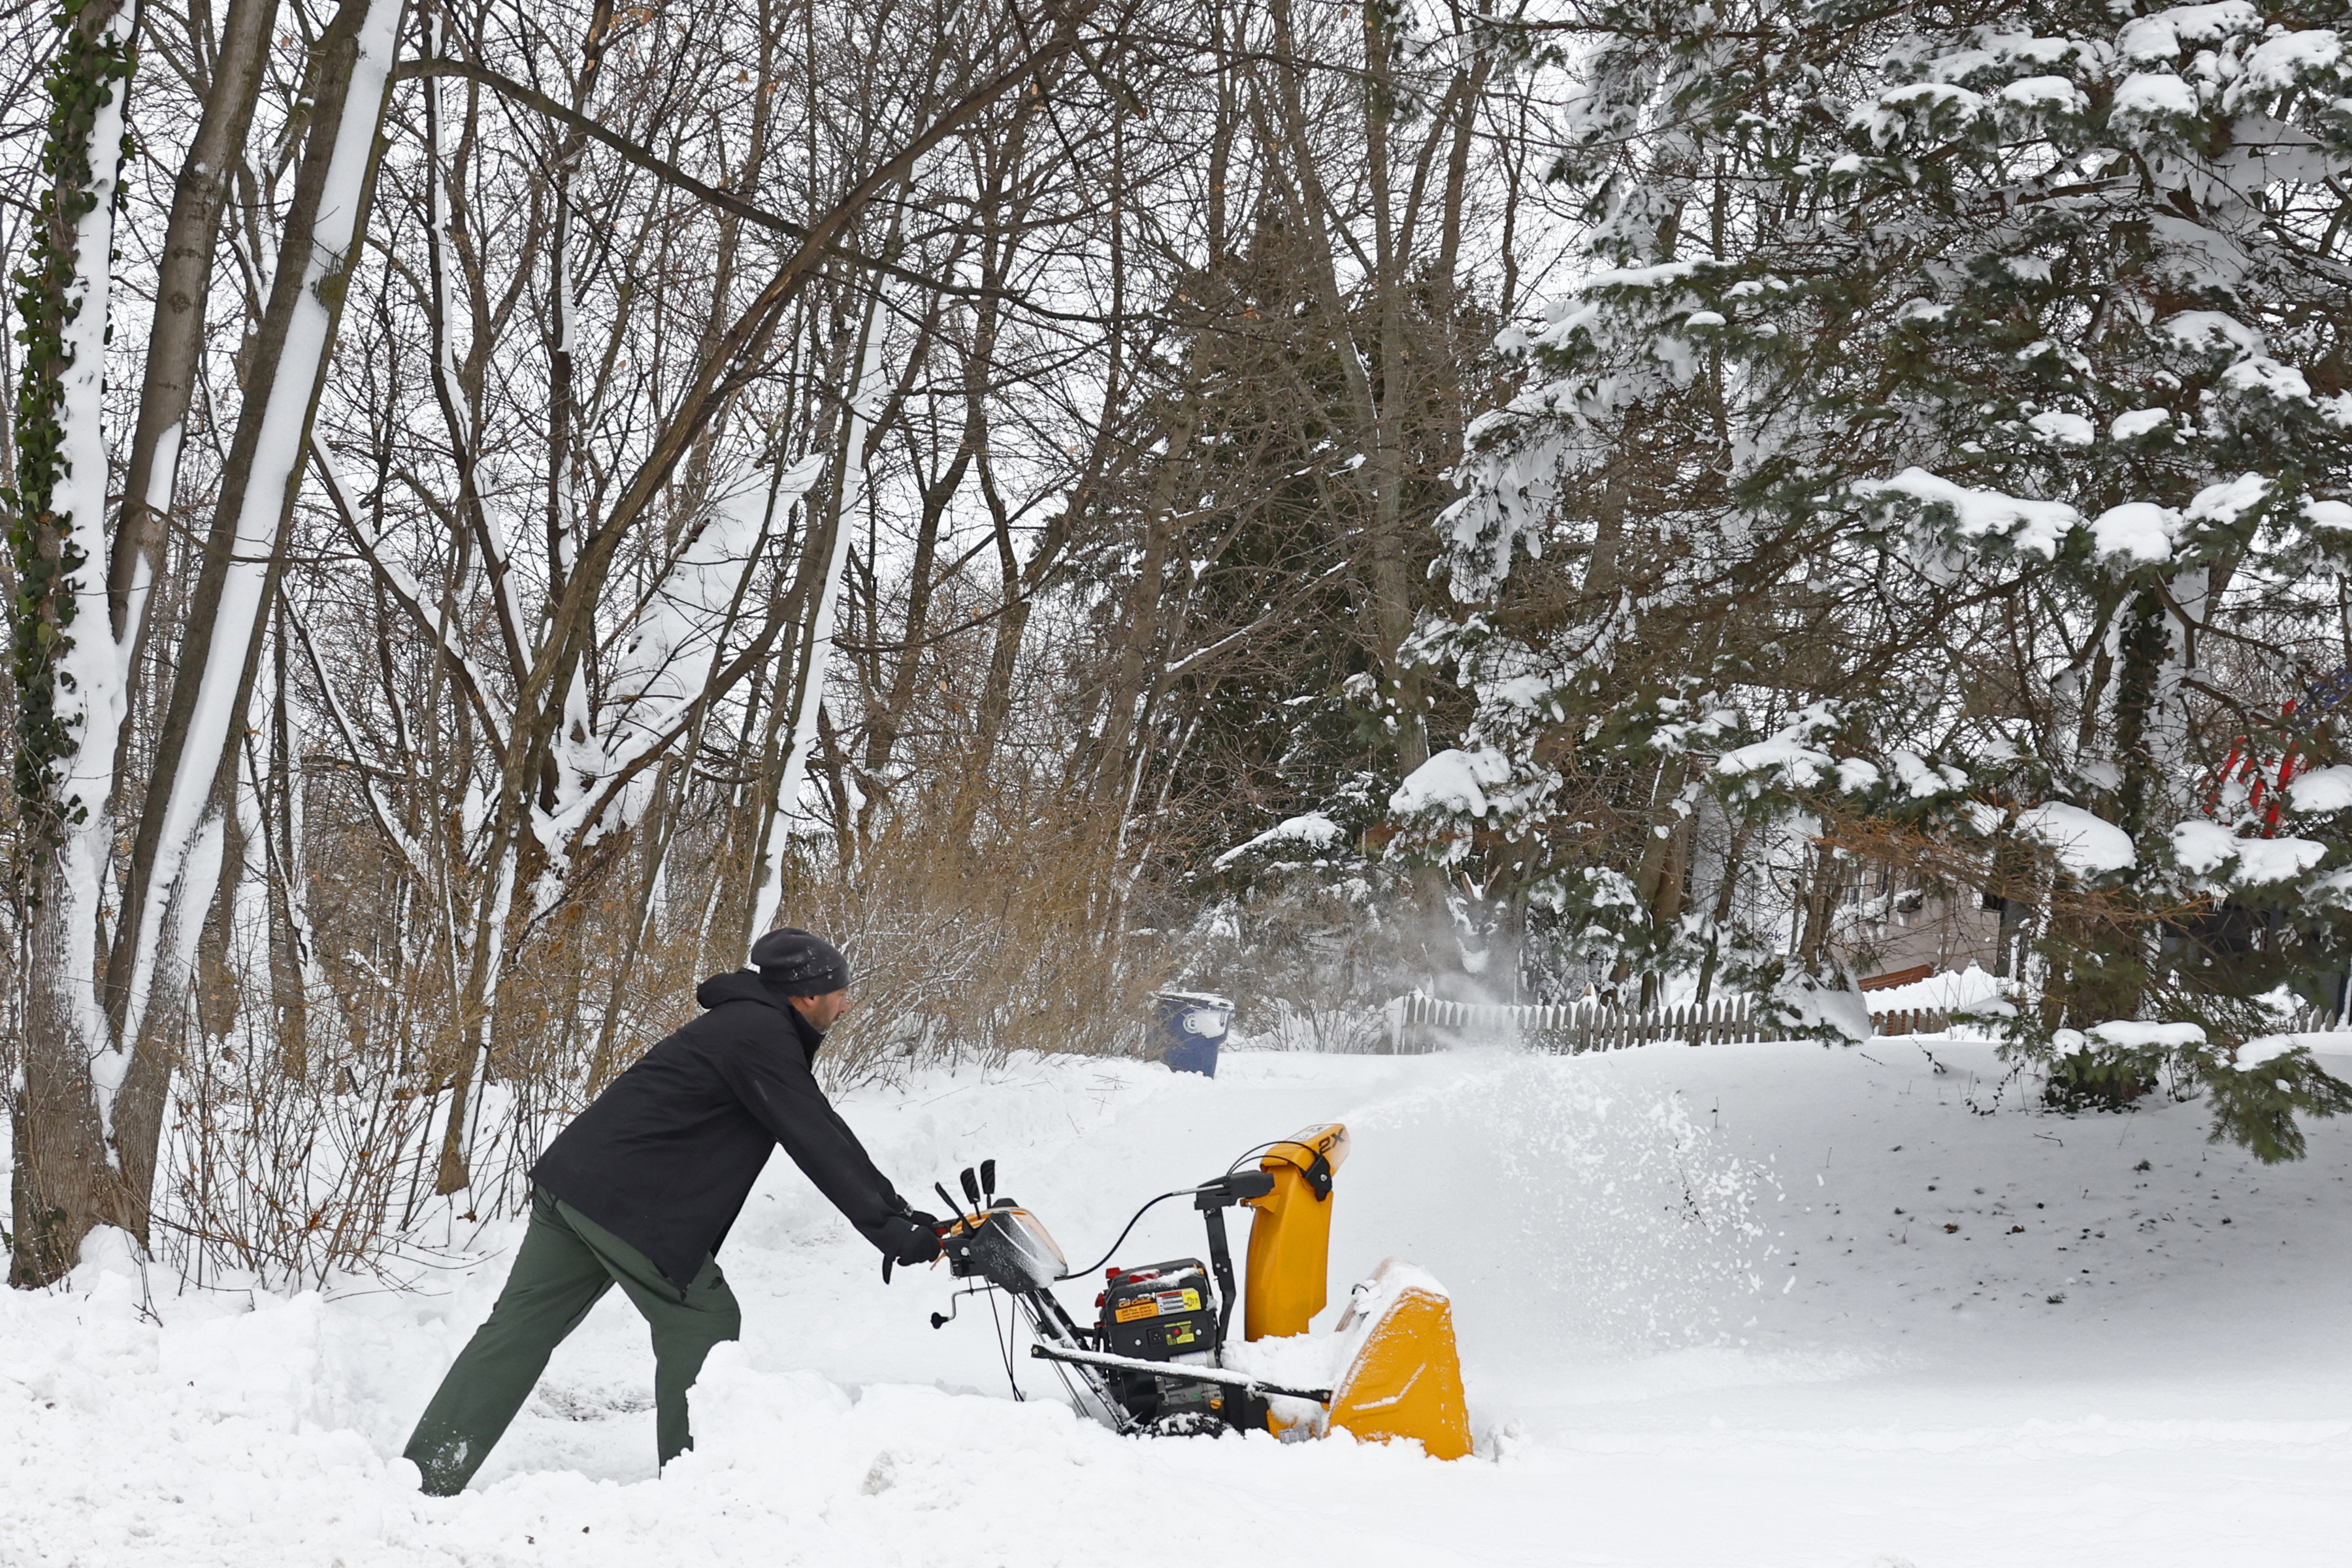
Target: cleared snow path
{"type": "Point", "coordinates": [1697, 1331]}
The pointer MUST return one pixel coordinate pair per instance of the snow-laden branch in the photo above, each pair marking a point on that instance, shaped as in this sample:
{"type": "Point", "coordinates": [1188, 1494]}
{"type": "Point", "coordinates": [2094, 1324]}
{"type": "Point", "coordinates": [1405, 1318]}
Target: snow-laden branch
{"type": "Point", "coordinates": [409, 594]}
{"type": "Point", "coordinates": [871, 385]}
{"type": "Point", "coordinates": [668, 672]}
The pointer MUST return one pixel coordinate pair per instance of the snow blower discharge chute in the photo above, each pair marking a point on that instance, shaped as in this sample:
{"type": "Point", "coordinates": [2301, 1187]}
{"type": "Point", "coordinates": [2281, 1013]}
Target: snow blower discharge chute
{"type": "Point", "coordinates": [1159, 1357]}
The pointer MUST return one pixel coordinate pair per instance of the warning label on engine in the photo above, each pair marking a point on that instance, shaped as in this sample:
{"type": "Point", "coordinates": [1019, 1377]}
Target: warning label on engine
{"type": "Point", "coordinates": [1165, 1304]}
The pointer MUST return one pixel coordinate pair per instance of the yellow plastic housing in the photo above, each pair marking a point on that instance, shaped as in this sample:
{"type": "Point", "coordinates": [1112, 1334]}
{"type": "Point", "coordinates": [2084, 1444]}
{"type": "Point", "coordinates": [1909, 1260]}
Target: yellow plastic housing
{"type": "Point", "coordinates": [1290, 1235]}
{"type": "Point", "coordinates": [1404, 1379]}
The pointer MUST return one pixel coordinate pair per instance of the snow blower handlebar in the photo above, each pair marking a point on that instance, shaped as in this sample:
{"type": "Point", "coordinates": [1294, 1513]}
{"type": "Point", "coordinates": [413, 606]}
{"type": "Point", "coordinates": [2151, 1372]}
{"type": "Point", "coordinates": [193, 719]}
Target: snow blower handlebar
{"type": "Point", "coordinates": [977, 1256]}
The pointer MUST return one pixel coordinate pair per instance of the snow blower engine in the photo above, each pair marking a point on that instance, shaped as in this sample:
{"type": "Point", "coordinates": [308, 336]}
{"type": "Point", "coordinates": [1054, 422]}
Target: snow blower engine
{"type": "Point", "coordinates": [1154, 1359]}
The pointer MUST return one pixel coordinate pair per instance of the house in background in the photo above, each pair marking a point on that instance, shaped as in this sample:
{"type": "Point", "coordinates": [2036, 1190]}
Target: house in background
{"type": "Point", "coordinates": [1897, 933]}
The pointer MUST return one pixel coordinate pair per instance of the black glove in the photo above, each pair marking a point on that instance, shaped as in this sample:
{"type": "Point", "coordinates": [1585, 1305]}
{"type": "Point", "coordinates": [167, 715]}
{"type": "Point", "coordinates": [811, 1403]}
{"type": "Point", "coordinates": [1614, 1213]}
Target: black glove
{"type": "Point", "coordinates": [908, 1239]}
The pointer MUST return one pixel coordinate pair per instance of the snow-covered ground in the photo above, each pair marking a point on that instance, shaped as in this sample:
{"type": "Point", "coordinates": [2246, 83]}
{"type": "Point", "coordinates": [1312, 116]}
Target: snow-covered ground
{"type": "Point", "coordinates": [1730, 1307]}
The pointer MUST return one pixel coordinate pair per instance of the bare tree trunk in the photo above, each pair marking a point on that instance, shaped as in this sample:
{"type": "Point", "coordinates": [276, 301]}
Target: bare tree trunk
{"type": "Point", "coordinates": [1664, 858]}
{"type": "Point", "coordinates": [1818, 905]}
{"type": "Point", "coordinates": [170, 876]}
{"type": "Point", "coordinates": [67, 670]}
{"type": "Point", "coordinates": [61, 1176]}
{"type": "Point", "coordinates": [176, 343]}
{"type": "Point", "coordinates": [1377, 406]}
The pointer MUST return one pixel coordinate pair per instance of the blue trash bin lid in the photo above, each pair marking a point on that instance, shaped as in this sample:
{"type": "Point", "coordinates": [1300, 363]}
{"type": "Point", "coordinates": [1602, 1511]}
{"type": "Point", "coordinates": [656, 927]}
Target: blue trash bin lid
{"type": "Point", "coordinates": [1197, 1013]}
{"type": "Point", "coordinates": [1198, 999]}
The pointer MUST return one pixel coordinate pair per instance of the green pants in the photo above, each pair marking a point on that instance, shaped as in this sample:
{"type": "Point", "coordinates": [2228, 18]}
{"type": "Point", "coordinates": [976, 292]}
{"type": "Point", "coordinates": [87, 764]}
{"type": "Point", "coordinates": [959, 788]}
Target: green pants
{"type": "Point", "coordinates": [565, 1263]}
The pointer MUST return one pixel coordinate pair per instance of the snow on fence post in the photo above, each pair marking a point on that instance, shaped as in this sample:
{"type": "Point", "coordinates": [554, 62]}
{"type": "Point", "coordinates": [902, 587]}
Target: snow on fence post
{"type": "Point", "coordinates": [1586, 1024]}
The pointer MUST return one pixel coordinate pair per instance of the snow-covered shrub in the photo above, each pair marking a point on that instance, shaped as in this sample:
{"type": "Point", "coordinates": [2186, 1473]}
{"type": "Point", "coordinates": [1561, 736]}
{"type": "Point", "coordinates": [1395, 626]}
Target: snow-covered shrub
{"type": "Point", "coordinates": [1308, 935]}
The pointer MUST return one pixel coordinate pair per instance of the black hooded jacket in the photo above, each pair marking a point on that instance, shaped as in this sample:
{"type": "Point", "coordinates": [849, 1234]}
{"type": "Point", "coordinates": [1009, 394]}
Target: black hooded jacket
{"type": "Point", "coordinates": [664, 1157]}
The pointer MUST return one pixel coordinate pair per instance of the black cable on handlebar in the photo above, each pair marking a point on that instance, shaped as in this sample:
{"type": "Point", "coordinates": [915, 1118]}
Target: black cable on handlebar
{"type": "Point", "coordinates": [1162, 1198]}
{"type": "Point", "coordinates": [1253, 1149]}
{"type": "Point", "coordinates": [1002, 1332]}
{"type": "Point", "coordinates": [1106, 1257]}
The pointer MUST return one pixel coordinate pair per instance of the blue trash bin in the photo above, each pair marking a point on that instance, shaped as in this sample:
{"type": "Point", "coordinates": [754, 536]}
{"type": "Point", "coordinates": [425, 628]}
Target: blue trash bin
{"type": "Point", "coordinates": [1187, 1028]}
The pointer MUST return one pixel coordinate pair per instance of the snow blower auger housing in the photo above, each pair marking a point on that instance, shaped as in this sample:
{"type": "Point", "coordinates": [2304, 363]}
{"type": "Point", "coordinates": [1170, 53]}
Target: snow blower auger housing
{"type": "Point", "coordinates": [1154, 1359]}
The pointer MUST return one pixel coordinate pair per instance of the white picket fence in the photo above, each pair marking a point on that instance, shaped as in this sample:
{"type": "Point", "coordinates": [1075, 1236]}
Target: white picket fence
{"type": "Point", "coordinates": [1419, 1024]}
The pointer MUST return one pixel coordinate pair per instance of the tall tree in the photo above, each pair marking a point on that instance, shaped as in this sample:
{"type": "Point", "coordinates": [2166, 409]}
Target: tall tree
{"type": "Point", "coordinates": [1968, 385]}
{"type": "Point", "coordinates": [67, 668]}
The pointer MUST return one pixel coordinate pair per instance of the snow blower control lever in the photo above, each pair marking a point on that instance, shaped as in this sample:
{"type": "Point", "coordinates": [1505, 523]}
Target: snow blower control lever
{"type": "Point", "coordinates": [1213, 1200]}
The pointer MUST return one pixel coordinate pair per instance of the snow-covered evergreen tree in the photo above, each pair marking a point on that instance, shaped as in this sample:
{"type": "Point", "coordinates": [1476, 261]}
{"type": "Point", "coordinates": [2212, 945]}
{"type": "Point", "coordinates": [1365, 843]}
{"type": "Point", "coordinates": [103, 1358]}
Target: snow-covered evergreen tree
{"type": "Point", "coordinates": [1945, 462]}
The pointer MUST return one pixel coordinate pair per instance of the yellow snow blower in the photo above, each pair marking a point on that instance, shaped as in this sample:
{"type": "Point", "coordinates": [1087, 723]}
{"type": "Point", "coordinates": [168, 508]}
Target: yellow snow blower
{"type": "Point", "coordinates": [1154, 1360]}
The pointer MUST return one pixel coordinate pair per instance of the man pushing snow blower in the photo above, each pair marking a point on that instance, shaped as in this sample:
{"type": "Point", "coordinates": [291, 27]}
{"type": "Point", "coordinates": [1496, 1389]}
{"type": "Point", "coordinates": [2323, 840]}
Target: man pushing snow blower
{"type": "Point", "coordinates": [641, 1189]}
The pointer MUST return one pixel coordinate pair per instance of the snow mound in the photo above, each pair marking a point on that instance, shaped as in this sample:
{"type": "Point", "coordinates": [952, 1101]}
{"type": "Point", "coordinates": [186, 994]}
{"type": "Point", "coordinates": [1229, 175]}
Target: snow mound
{"type": "Point", "coordinates": [1454, 781]}
{"type": "Point", "coordinates": [2085, 845]}
{"type": "Point", "coordinates": [2321, 789]}
{"type": "Point", "coordinates": [1946, 991]}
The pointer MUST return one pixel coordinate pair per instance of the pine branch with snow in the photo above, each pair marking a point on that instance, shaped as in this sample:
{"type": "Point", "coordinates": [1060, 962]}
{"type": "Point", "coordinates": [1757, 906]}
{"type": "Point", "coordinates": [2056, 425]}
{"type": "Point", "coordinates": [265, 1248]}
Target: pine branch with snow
{"type": "Point", "coordinates": [1962, 400]}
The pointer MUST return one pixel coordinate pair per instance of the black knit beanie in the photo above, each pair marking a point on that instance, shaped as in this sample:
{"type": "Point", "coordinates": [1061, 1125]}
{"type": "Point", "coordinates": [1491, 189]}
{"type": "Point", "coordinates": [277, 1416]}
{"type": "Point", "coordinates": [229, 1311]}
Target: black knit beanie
{"type": "Point", "coordinates": [799, 964]}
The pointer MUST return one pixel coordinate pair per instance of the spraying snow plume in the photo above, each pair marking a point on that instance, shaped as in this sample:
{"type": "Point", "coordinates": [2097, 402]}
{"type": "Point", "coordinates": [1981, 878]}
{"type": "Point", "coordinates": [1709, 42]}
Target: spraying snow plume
{"type": "Point", "coordinates": [1636, 1225]}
